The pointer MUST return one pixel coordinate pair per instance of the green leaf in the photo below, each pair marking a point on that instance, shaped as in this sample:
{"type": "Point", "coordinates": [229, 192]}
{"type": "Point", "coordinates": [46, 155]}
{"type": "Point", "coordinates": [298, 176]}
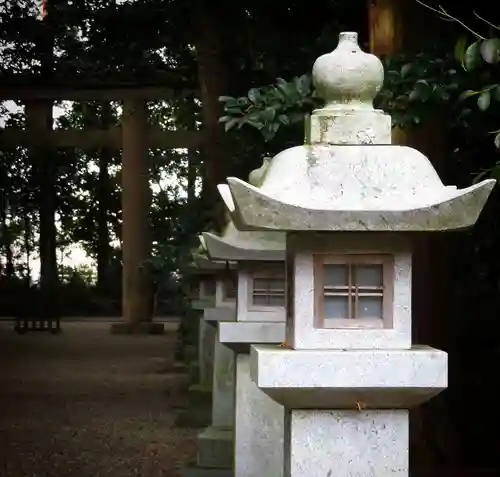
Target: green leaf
{"type": "Point", "coordinates": [480, 176]}
{"type": "Point", "coordinates": [472, 56]}
{"type": "Point", "coordinates": [497, 140]}
{"type": "Point", "coordinates": [254, 95]}
{"type": "Point", "coordinates": [406, 70]}
{"type": "Point", "coordinates": [269, 131]}
{"type": "Point", "coordinates": [460, 50]}
{"type": "Point", "coordinates": [230, 124]}
{"type": "Point", "coordinates": [225, 99]}
{"type": "Point", "coordinates": [468, 93]}
{"type": "Point", "coordinates": [284, 119]}
{"type": "Point", "coordinates": [303, 84]}
{"type": "Point", "coordinates": [422, 91]}
{"type": "Point", "coordinates": [484, 100]}
{"type": "Point", "coordinates": [268, 114]}
{"type": "Point", "coordinates": [393, 76]}
{"type": "Point", "coordinates": [243, 101]}
{"type": "Point", "coordinates": [490, 50]}
{"type": "Point", "coordinates": [232, 110]}
{"type": "Point", "coordinates": [255, 120]}
{"type": "Point", "coordinates": [414, 96]}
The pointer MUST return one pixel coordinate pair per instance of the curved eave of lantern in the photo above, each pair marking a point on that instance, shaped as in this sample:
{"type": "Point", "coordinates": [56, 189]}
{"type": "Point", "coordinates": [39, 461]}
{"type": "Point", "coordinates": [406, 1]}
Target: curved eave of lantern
{"type": "Point", "coordinates": [253, 209]}
{"type": "Point", "coordinates": [237, 245]}
{"type": "Point", "coordinates": [204, 265]}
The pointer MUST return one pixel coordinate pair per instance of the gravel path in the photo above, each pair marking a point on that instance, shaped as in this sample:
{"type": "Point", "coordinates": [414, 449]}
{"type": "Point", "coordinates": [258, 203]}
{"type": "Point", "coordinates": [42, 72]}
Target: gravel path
{"type": "Point", "coordinates": [89, 404]}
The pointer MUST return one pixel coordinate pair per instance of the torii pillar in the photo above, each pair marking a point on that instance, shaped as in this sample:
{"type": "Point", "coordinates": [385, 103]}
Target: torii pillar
{"type": "Point", "coordinates": [136, 238]}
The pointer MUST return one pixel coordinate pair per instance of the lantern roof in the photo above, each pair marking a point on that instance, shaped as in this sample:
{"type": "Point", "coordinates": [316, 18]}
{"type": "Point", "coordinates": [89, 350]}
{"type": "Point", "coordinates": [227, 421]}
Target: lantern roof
{"type": "Point", "coordinates": [349, 177]}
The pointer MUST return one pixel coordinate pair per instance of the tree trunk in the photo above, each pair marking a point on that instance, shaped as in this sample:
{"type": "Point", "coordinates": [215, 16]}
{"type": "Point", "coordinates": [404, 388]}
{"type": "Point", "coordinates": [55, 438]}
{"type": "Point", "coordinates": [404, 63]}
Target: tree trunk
{"type": "Point", "coordinates": [3, 224]}
{"type": "Point", "coordinates": [193, 161]}
{"type": "Point", "coordinates": [39, 120]}
{"type": "Point", "coordinates": [105, 157]}
{"type": "Point", "coordinates": [213, 80]}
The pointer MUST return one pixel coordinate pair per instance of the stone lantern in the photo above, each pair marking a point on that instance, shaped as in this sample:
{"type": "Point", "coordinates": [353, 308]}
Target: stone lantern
{"type": "Point", "coordinates": [209, 287]}
{"type": "Point", "coordinates": [348, 202]}
{"type": "Point", "coordinates": [216, 295]}
{"type": "Point", "coordinates": [216, 289]}
{"type": "Point", "coordinates": [211, 291]}
{"type": "Point", "coordinates": [203, 283]}
{"type": "Point", "coordinates": [260, 318]}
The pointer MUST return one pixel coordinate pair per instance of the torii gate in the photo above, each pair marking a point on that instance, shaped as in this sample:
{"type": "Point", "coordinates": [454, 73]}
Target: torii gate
{"type": "Point", "coordinates": [134, 137]}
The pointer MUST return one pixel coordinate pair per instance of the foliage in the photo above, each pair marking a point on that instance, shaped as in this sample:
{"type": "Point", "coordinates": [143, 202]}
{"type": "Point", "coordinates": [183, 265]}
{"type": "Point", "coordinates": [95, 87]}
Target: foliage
{"type": "Point", "coordinates": [415, 87]}
{"type": "Point", "coordinates": [410, 88]}
{"type": "Point", "coordinates": [83, 275]}
{"type": "Point", "coordinates": [270, 107]}
{"type": "Point", "coordinates": [481, 59]}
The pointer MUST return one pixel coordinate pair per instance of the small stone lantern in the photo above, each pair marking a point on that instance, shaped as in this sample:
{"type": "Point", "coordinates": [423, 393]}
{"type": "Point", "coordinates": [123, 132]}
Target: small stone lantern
{"type": "Point", "coordinates": [260, 259]}
{"type": "Point", "coordinates": [209, 292]}
{"type": "Point", "coordinates": [347, 200]}
{"type": "Point", "coordinates": [215, 288]}
{"type": "Point", "coordinates": [260, 318]}
{"type": "Point", "coordinates": [203, 283]}
{"type": "Point", "coordinates": [217, 297]}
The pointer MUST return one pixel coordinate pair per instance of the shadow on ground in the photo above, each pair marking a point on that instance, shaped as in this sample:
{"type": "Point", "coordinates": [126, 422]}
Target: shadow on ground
{"type": "Point", "coordinates": [88, 404]}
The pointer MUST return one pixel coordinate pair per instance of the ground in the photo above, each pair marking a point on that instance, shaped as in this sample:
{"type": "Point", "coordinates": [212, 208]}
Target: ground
{"type": "Point", "coordinates": [88, 404]}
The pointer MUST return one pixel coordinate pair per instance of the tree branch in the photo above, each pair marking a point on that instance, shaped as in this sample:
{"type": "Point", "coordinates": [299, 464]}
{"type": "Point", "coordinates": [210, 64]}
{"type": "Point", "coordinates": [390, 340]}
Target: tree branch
{"type": "Point", "coordinates": [448, 17]}
{"type": "Point", "coordinates": [496, 27]}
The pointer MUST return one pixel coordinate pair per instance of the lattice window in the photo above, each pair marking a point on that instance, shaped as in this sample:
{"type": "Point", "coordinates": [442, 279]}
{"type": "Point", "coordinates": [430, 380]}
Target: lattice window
{"type": "Point", "coordinates": [230, 289]}
{"type": "Point", "coordinates": [354, 287]}
{"type": "Point", "coordinates": [268, 289]}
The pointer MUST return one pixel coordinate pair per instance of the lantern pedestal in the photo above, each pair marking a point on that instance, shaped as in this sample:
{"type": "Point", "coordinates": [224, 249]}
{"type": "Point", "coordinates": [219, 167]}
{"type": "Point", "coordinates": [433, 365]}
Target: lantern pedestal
{"type": "Point", "coordinates": [240, 335]}
{"type": "Point", "coordinates": [347, 443]}
{"type": "Point", "coordinates": [346, 411]}
{"type": "Point", "coordinates": [221, 313]}
{"type": "Point", "coordinates": [259, 421]}
{"type": "Point", "coordinates": [215, 443]}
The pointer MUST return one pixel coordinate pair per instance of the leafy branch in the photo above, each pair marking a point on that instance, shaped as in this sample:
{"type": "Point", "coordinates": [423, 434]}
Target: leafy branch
{"type": "Point", "coordinates": [410, 87]}
{"type": "Point", "coordinates": [270, 107]}
{"type": "Point", "coordinates": [414, 88]}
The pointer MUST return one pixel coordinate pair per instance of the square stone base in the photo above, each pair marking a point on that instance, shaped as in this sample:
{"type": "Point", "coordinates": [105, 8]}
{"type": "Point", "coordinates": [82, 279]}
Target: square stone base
{"type": "Point", "coordinates": [215, 447]}
{"type": "Point", "coordinates": [322, 443]}
{"type": "Point", "coordinates": [199, 395]}
{"type": "Point", "coordinates": [142, 328]}
{"type": "Point", "coordinates": [258, 436]}
{"type": "Point", "coordinates": [198, 412]}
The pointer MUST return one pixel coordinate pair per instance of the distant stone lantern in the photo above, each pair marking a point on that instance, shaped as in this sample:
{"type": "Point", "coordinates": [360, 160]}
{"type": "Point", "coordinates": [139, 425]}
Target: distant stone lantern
{"type": "Point", "coordinates": [217, 298]}
{"type": "Point", "coordinates": [207, 289]}
{"type": "Point", "coordinates": [348, 201]}
{"type": "Point", "coordinates": [260, 269]}
{"type": "Point", "coordinates": [214, 288]}
{"type": "Point", "coordinates": [203, 283]}
{"type": "Point", "coordinates": [260, 318]}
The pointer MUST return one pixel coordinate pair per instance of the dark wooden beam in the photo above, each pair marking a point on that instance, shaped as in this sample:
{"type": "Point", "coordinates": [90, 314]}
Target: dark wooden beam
{"type": "Point", "coordinates": [115, 93]}
{"type": "Point", "coordinates": [95, 138]}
